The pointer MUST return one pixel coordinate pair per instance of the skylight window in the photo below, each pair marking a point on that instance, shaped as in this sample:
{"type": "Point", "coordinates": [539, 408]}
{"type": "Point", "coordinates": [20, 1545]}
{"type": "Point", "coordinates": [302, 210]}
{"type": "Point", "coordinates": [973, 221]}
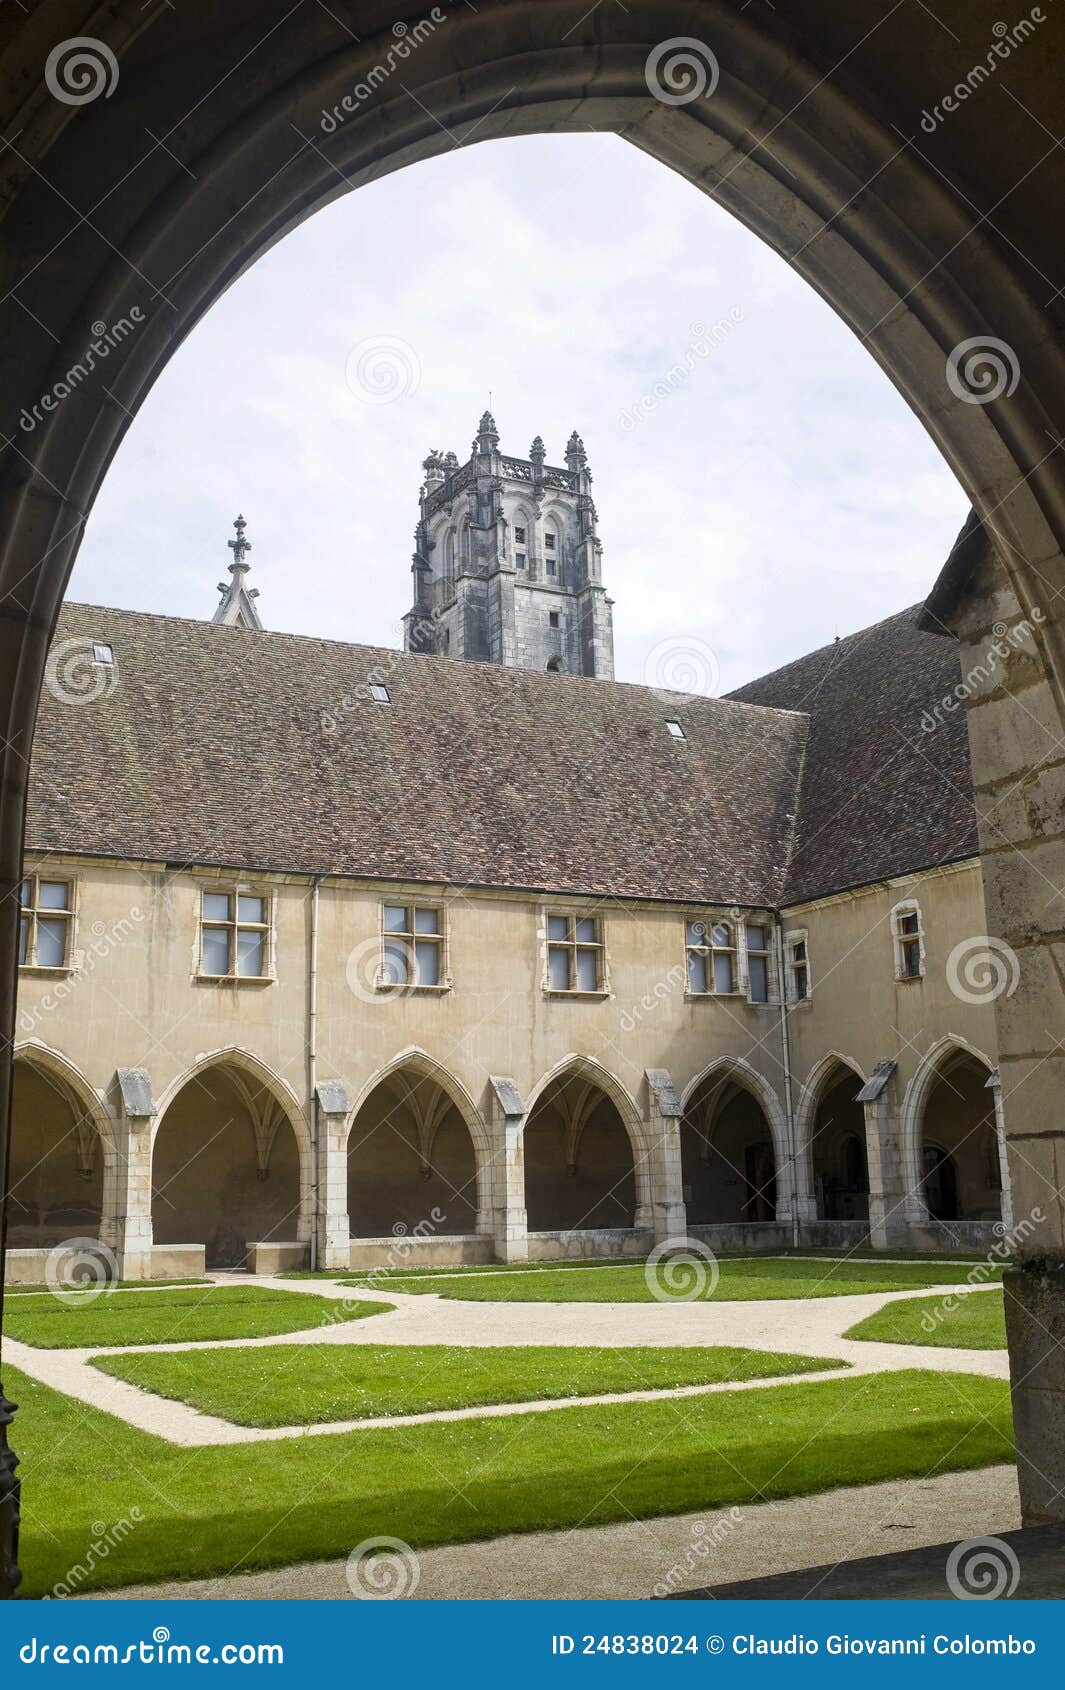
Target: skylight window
{"type": "Point", "coordinates": [676, 730]}
{"type": "Point", "coordinates": [379, 693]}
{"type": "Point", "coordinates": [103, 653]}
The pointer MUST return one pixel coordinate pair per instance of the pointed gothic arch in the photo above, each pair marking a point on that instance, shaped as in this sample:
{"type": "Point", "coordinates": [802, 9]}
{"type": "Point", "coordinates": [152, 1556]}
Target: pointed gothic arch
{"type": "Point", "coordinates": [586, 1153]}
{"type": "Point", "coordinates": [749, 1177]}
{"type": "Point", "coordinates": [419, 1153]}
{"type": "Point", "coordinates": [831, 1139]}
{"type": "Point", "coordinates": [64, 1159]}
{"type": "Point", "coordinates": [232, 1159]}
{"type": "Point", "coordinates": [948, 1109]}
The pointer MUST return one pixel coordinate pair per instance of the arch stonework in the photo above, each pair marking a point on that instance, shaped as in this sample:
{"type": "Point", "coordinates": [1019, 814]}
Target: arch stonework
{"type": "Point", "coordinates": [588, 1068]}
{"type": "Point", "coordinates": [251, 1075]}
{"type": "Point", "coordinates": [903, 246]}
{"type": "Point", "coordinates": [67, 1077]}
{"type": "Point", "coordinates": [789, 1184]}
{"type": "Point", "coordinates": [414, 1060]}
{"type": "Point", "coordinates": [810, 1097]}
{"type": "Point", "coordinates": [928, 1071]}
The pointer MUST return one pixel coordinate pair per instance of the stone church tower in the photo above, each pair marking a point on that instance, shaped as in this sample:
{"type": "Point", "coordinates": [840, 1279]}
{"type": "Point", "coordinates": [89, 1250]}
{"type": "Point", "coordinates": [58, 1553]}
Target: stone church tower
{"type": "Point", "coordinates": [507, 562]}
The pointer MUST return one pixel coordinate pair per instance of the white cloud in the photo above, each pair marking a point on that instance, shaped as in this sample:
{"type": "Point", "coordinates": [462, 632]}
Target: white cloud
{"type": "Point", "coordinates": [781, 494]}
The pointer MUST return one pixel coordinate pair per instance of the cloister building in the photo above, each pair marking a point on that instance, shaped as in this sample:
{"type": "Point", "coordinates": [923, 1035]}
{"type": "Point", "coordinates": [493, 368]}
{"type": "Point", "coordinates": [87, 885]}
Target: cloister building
{"type": "Point", "coordinates": [334, 954]}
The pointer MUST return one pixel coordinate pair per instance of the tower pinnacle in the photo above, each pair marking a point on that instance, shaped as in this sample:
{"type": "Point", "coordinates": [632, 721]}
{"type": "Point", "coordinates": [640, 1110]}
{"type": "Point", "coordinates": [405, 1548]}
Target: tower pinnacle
{"type": "Point", "coordinates": [237, 607]}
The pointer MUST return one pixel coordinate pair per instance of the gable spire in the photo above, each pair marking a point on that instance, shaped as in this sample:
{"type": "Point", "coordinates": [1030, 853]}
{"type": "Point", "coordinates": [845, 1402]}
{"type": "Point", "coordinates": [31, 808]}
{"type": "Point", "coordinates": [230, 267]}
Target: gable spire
{"type": "Point", "coordinates": [237, 607]}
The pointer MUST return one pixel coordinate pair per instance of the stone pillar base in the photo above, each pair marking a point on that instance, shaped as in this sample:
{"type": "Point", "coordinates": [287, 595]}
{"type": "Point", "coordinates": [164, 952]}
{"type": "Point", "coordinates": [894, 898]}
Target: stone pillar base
{"type": "Point", "coordinates": [1035, 1332]}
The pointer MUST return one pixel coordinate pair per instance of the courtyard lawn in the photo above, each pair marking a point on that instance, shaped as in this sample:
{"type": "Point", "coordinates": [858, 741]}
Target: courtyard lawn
{"type": "Point", "coordinates": [290, 1385]}
{"type": "Point", "coordinates": [117, 1285]}
{"type": "Point", "coordinates": [193, 1512]}
{"type": "Point", "coordinates": [741, 1279]}
{"type": "Point", "coordinates": [173, 1317]}
{"type": "Point", "coordinates": [976, 1321]}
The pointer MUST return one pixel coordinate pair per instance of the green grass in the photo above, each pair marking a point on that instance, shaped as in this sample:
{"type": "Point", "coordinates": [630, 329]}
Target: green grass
{"type": "Point", "coordinates": [977, 1321]}
{"type": "Point", "coordinates": [292, 1385]}
{"type": "Point", "coordinates": [117, 1285]}
{"type": "Point", "coordinates": [175, 1317]}
{"type": "Point", "coordinates": [741, 1279]}
{"type": "Point", "coordinates": [245, 1506]}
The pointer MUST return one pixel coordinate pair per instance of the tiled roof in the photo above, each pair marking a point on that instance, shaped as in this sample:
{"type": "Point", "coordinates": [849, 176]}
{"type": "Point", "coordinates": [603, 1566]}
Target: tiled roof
{"type": "Point", "coordinates": [211, 749]}
{"type": "Point", "coordinates": [886, 786]}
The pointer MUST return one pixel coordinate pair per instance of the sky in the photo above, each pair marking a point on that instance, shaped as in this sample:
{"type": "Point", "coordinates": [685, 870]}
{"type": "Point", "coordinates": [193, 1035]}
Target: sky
{"type": "Point", "coordinates": [772, 492]}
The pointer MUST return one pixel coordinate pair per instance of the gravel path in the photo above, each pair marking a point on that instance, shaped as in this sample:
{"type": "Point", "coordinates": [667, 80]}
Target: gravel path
{"type": "Point", "coordinates": [812, 1327]}
{"type": "Point", "coordinates": [635, 1559]}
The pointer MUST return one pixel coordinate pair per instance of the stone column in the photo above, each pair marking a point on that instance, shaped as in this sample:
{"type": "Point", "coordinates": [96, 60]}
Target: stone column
{"type": "Point", "coordinates": [669, 1216]}
{"type": "Point", "coordinates": [893, 1206]}
{"type": "Point", "coordinates": [331, 1174]}
{"type": "Point", "coordinates": [1010, 661]}
{"type": "Point", "coordinates": [133, 1219]}
{"type": "Point", "coordinates": [507, 1114]}
{"type": "Point", "coordinates": [995, 1087]}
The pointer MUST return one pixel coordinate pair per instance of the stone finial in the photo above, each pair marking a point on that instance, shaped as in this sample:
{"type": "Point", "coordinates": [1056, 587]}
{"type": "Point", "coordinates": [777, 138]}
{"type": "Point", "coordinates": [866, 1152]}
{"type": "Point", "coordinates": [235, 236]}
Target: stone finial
{"type": "Point", "coordinates": [537, 453]}
{"type": "Point", "coordinates": [237, 608]}
{"type": "Point", "coordinates": [240, 546]}
{"type": "Point", "coordinates": [487, 433]}
{"type": "Point", "coordinates": [433, 466]}
{"type": "Point", "coordinates": [576, 456]}
{"type": "Point", "coordinates": [451, 463]}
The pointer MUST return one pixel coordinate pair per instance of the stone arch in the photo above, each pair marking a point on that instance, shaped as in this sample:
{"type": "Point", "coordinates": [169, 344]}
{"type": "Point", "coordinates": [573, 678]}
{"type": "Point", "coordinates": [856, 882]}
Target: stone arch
{"type": "Point", "coordinates": [573, 1090]}
{"type": "Point", "coordinates": [242, 1171]}
{"type": "Point", "coordinates": [829, 1076]}
{"type": "Point", "coordinates": [735, 1072]}
{"type": "Point", "coordinates": [64, 1158]}
{"type": "Point", "coordinates": [946, 1054]}
{"type": "Point", "coordinates": [428, 1146]}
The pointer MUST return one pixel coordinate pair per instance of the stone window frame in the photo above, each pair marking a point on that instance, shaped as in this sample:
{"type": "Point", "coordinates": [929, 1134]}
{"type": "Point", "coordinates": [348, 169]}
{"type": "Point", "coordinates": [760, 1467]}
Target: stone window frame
{"type": "Point", "coordinates": [794, 965]}
{"type": "Point", "coordinates": [31, 912]}
{"type": "Point", "coordinates": [903, 942]}
{"type": "Point", "coordinates": [701, 921]}
{"type": "Point", "coordinates": [769, 954]}
{"type": "Point", "coordinates": [410, 936]}
{"type": "Point", "coordinates": [235, 890]}
{"type": "Point", "coordinates": [572, 944]}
